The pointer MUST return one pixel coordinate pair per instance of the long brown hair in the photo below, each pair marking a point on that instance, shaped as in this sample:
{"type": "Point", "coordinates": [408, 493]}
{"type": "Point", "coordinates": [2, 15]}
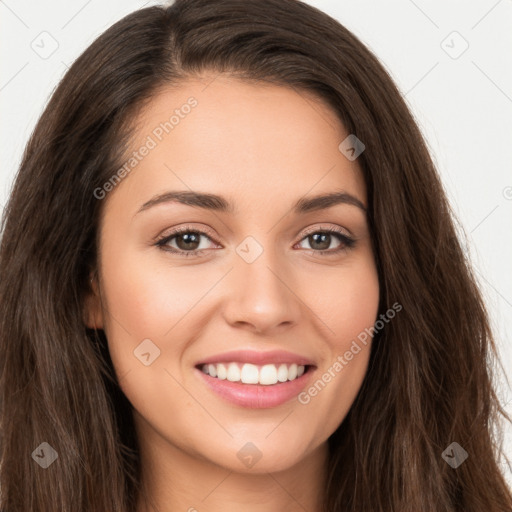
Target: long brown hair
{"type": "Point", "coordinates": [430, 378]}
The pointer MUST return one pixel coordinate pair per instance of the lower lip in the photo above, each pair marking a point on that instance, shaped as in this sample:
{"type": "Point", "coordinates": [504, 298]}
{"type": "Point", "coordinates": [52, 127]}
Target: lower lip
{"type": "Point", "coordinates": [256, 396]}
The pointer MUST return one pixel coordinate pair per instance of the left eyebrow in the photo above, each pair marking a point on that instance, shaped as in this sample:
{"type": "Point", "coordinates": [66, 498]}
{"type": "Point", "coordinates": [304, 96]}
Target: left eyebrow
{"type": "Point", "coordinates": [324, 201]}
{"type": "Point", "coordinates": [221, 204]}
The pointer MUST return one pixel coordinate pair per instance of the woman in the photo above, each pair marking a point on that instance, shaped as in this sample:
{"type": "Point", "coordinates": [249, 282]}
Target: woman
{"type": "Point", "coordinates": [173, 338]}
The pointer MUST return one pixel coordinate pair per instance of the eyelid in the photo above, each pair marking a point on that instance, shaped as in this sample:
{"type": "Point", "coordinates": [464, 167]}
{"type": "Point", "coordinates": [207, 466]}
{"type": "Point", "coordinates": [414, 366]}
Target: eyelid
{"type": "Point", "coordinates": [184, 228]}
{"type": "Point", "coordinates": [315, 228]}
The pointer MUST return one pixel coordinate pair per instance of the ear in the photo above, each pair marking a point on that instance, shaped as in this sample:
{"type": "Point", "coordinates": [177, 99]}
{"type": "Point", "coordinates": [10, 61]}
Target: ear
{"type": "Point", "coordinates": [93, 313]}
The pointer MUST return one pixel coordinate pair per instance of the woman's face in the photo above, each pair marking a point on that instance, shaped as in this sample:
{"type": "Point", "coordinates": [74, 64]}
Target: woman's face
{"type": "Point", "coordinates": [259, 284]}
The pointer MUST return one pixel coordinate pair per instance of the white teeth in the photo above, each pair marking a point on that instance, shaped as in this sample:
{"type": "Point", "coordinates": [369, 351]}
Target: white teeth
{"type": "Point", "coordinates": [268, 374]}
{"type": "Point", "coordinates": [282, 373]}
{"type": "Point", "coordinates": [247, 373]}
{"type": "Point", "coordinates": [222, 373]}
{"type": "Point", "coordinates": [233, 372]}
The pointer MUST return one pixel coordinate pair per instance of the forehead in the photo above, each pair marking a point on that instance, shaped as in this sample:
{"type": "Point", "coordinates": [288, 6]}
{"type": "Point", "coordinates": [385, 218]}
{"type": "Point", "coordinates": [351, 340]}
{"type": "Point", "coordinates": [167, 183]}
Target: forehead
{"type": "Point", "coordinates": [236, 138]}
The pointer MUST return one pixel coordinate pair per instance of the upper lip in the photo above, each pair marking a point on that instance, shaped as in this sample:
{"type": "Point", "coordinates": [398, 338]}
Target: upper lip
{"type": "Point", "coordinates": [257, 358]}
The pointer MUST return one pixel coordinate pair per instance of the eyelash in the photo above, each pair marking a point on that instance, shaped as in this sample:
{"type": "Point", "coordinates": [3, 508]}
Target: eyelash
{"type": "Point", "coordinates": [346, 242]}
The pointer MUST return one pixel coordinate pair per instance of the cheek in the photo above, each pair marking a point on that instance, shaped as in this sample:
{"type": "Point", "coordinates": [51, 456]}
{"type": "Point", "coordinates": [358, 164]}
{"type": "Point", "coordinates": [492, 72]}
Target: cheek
{"type": "Point", "coordinates": [352, 322]}
{"type": "Point", "coordinates": [349, 307]}
{"type": "Point", "coordinates": [146, 311]}
{"type": "Point", "coordinates": [143, 302]}
{"type": "Point", "coordinates": [347, 301]}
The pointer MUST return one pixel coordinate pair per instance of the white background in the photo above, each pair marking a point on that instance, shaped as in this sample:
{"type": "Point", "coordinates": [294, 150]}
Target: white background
{"type": "Point", "coordinates": [463, 105]}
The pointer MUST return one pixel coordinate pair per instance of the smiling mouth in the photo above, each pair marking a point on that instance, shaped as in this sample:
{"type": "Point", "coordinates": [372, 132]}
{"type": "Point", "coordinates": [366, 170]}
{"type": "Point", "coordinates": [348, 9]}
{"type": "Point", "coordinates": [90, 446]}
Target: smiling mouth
{"type": "Point", "coordinates": [247, 373]}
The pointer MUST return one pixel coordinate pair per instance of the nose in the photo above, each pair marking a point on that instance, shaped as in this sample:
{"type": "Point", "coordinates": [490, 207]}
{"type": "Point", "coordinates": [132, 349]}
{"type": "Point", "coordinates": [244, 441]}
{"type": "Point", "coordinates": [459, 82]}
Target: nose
{"type": "Point", "coordinates": [262, 296]}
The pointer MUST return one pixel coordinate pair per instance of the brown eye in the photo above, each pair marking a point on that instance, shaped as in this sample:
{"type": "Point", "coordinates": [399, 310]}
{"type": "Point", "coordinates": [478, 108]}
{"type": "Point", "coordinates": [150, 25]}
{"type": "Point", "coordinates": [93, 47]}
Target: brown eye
{"type": "Point", "coordinates": [320, 241]}
{"type": "Point", "coordinates": [185, 241]}
{"type": "Point", "coordinates": [188, 241]}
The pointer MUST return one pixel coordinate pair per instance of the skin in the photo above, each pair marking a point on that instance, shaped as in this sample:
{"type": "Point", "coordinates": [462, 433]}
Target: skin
{"type": "Point", "coordinates": [262, 147]}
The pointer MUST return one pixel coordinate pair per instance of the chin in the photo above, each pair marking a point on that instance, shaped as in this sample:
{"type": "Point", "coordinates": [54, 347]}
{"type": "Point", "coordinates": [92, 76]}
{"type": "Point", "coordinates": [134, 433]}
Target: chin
{"type": "Point", "coordinates": [260, 455]}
